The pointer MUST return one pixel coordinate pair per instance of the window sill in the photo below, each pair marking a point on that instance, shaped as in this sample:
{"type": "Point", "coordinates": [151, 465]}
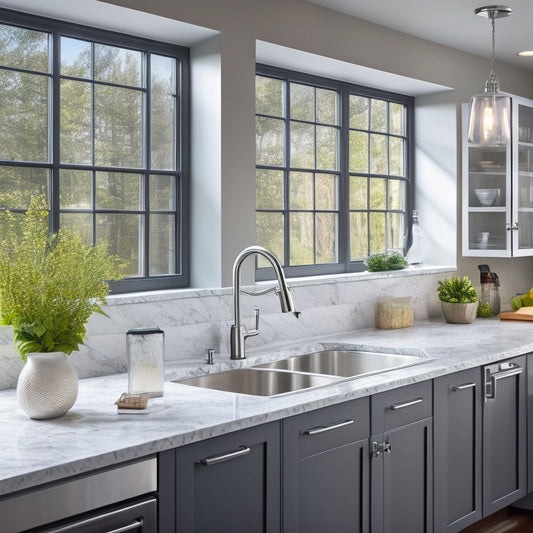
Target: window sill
{"type": "Point", "coordinates": [310, 281]}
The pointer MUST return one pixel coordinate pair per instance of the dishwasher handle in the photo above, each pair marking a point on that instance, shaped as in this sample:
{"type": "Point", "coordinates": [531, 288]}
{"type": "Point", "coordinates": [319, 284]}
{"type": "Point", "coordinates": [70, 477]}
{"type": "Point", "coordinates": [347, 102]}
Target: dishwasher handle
{"type": "Point", "coordinates": [507, 370]}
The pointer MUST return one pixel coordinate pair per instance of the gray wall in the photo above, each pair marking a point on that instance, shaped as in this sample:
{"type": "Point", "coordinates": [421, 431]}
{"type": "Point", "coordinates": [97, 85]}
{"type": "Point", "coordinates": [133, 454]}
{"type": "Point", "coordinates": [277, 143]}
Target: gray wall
{"type": "Point", "coordinates": [304, 26]}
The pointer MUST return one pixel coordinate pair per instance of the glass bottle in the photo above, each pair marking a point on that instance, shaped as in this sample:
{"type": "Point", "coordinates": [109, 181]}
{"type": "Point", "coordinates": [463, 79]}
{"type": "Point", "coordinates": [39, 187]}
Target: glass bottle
{"type": "Point", "coordinates": [415, 255]}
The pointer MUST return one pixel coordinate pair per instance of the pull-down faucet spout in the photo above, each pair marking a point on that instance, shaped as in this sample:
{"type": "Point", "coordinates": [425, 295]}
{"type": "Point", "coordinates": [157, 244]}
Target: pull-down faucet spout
{"type": "Point", "coordinates": [238, 333]}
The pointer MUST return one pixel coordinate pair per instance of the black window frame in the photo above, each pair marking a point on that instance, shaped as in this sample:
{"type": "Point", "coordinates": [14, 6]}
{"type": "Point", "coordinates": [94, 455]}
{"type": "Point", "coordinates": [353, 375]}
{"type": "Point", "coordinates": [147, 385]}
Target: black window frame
{"type": "Point", "coordinates": [344, 264]}
{"type": "Point", "coordinates": [60, 28]}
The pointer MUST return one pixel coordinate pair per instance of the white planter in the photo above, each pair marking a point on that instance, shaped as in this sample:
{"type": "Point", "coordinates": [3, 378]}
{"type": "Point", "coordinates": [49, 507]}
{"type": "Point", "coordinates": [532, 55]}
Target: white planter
{"type": "Point", "coordinates": [47, 386]}
{"type": "Point", "coordinates": [459, 313]}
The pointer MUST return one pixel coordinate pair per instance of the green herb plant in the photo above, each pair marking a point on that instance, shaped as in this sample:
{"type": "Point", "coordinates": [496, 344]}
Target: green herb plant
{"type": "Point", "coordinates": [50, 284]}
{"type": "Point", "coordinates": [455, 290]}
{"type": "Point", "coordinates": [381, 262]}
{"type": "Point", "coordinates": [484, 310]}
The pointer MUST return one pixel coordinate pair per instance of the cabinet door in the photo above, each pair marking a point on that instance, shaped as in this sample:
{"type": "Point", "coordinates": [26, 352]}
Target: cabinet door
{"type": "Point", "coordinates": [230, 483]}
{"type": "Point", "coordinates": [522, 223]}
{"type": "Point", "coordinates": [402, 460]}
{"type": "Point", "coordinates": [529, 415]}
{"type": "Point", "coordinates": [504, 434]}
{"type": "Point", "coordinates": [457, 450]}
{"type": "Point", "coordinates": [486, 196]}
{"type": "Point", "coordinates": [325, 472]}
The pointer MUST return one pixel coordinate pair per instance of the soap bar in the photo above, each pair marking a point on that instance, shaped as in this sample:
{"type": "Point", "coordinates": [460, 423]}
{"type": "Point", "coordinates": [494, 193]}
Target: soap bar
{"type": "Point", "coordinates": [132, 401]}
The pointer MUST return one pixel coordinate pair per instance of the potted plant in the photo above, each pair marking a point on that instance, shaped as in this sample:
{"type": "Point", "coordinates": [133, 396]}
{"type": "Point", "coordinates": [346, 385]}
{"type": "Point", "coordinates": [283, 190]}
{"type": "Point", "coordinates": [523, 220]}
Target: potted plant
{"type": "Point", "coordinates": [50, 284]}
{"type": "Point", "coordinates": [459, 300]}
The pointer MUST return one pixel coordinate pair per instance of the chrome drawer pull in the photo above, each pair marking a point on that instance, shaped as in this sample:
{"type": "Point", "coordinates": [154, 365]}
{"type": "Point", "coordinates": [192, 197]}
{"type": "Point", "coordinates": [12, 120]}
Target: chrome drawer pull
{"type": "Point", "coordinates": [214, 459]}
{"type": "Point", "coordinates": [137, 526]}
{"type": "Point", "coordinates": [511, 369]}
{"type": "Point", "coordinates": [403, 405]}
{"type": "Point", "coordinates": [323, 429]}
{"type": "Point", "coordinates": [464, 386]}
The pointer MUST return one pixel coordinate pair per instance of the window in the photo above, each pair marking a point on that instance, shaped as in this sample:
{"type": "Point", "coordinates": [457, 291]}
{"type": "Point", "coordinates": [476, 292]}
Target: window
{"type": "Point", "coordinates": [96, 122]}
{"type": "Point", "coordinates": [332, 169]}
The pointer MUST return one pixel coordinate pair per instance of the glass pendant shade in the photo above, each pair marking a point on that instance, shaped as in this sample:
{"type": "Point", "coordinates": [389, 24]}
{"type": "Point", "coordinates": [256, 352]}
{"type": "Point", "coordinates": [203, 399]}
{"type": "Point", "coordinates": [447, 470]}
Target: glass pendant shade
{"type": "Point", "coordinates": [490, 114]}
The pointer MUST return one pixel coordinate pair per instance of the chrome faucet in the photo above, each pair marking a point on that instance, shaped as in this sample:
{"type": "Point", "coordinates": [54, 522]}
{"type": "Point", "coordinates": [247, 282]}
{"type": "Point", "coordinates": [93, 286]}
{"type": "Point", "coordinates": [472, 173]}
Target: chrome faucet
{"type": "Point", "coordinates": [238, 333]}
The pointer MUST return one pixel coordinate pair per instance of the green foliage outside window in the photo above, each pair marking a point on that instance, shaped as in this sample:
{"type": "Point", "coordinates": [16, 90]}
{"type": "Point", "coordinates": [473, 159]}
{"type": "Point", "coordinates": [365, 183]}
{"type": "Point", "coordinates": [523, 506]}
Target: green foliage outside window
{"type": "Point", "coordinates": [300, 155]}
{"type": "Point", "coordinates": [114, 185]}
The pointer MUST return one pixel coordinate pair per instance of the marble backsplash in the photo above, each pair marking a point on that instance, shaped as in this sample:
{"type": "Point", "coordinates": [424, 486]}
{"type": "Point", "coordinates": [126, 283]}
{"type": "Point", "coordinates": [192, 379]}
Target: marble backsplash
{"type": "Point", "coordinates": [197, 319]}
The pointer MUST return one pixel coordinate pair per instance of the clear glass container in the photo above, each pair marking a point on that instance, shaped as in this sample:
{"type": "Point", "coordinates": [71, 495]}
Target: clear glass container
{"type": "Point", "coordinates": [146, 361]}
{"type": "Point", "coordinates": [415, 255]}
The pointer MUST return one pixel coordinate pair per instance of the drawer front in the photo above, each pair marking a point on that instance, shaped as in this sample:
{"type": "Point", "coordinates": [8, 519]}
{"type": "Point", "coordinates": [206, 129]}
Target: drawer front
{"type": "Point", "coordinates": [329, 427]}
{"type": "Point", "coordinates": [398, 407]}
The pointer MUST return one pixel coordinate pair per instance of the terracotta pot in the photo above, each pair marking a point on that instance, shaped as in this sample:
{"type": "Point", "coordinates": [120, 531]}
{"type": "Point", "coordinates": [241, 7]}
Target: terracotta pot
{"type": "Point", "coordinates": [47, 386]}
{"type": "Point", "coordinates": [459, 313]}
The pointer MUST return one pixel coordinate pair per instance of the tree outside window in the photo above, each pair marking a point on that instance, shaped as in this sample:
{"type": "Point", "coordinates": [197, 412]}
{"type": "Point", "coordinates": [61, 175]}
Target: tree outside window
{"type": "Point", "coordinates": [94, 122]}
{"type": "Point", "coordinates": [332, 176]}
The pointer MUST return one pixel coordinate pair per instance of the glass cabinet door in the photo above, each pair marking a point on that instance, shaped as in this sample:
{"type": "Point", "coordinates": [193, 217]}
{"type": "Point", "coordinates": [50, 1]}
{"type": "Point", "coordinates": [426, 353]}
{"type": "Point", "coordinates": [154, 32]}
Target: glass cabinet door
{"type": "Point", "coordinates": [487, 197]}
{"type": "Point", "coordinates": [498, 189]}
{"type": "Point", "coordinates": [523, 198]}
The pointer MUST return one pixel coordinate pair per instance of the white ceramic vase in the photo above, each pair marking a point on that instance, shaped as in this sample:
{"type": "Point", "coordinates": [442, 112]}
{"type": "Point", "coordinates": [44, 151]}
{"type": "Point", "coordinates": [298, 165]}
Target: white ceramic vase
{"type": "Point", "coordinates": [47, 386]}
{"type": "Point", "coordinates": [459, 313]}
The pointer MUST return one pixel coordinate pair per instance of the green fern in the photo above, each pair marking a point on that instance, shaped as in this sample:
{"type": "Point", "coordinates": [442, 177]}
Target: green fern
{"type": "Point", "coordinates": [49, 284]}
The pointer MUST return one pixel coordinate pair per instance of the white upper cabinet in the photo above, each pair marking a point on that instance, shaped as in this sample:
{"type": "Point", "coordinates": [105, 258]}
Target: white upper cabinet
{"type": "Point", "coordinates": [498, 189]}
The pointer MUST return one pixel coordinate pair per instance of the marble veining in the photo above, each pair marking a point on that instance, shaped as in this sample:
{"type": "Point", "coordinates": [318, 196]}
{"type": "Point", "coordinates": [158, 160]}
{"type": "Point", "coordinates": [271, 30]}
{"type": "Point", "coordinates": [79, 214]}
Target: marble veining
{"type": "Point", "coordinates": [197, 319]}
{"type": "Point", "coordinates": [93, 435]}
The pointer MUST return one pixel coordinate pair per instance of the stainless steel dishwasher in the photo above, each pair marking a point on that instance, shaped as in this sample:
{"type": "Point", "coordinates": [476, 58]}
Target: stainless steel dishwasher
{"type": "Point", "coordinates": [115, 500]}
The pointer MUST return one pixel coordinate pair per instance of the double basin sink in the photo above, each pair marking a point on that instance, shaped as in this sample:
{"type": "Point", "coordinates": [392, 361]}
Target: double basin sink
{"type": "Point", "coordinates": [304, 372]}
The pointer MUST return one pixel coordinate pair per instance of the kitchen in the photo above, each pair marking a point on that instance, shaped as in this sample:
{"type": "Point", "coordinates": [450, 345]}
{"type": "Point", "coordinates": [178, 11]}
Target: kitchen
{"type": "Point", "coordinates": [198, 318]}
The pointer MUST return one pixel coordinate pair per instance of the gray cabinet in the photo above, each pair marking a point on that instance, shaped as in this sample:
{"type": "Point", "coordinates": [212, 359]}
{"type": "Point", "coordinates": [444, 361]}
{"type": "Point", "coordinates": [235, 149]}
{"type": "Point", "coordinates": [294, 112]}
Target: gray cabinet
{"type": "Point", "coordinates": [529, 414]}
{"type": "Point", "coordinates": [457, 431]}
{"type": "Point", "coordinates": [230, 483]}
{"type": "Point", "coordinates": [325, 469]}
{"type": "Point", "coordinates": [504, 434]}
{"type": "Point", "coordinates": [402, 465]}
{"type": "Point", "coordinates": [120, 498]}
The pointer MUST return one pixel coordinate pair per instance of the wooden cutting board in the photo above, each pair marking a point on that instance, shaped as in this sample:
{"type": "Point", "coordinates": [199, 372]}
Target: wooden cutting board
{"type": "Point", "coordinates": [524, 313]}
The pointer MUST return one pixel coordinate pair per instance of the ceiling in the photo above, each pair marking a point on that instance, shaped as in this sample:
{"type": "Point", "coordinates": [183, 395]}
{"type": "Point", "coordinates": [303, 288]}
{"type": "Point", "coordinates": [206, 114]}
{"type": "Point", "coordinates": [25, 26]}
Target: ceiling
{"type": "Point", "coordinates": [450, 22]}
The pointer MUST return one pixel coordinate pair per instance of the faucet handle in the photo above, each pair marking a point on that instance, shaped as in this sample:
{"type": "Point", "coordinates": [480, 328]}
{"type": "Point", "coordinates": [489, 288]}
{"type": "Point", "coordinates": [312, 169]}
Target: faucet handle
{"type": "Point", "coordinates": [253, 332]}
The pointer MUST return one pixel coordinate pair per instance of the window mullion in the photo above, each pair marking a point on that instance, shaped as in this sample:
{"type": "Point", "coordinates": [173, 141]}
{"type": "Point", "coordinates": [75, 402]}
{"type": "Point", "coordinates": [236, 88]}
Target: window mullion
{"type": "Point", "coordinates": [147, 159]}
{"type": "Point", "coordinates": [286, 207]}
{"type": "Point", "coordinates": [53, 135]}
{"type": "Point", "coordinates": [344, 180]}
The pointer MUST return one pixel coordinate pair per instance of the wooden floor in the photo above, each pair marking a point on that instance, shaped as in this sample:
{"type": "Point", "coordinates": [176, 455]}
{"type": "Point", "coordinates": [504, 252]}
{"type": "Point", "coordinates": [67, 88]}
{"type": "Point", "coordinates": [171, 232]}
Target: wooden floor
{"type": "Point", "coordinates": [504, 521]}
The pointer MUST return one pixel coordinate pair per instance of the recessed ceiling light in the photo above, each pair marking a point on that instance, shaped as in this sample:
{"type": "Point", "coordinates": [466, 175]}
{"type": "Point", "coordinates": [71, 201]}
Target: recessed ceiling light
{"type": "Point", "coordinates": [525, 53]}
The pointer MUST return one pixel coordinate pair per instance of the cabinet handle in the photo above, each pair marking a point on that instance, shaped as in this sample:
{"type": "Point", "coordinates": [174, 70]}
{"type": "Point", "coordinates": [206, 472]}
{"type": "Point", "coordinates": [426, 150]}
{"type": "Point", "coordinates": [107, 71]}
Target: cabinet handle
{"type": "Point", "coordinates": [214, 459]}
{"type": "Point", "coordinates": [492, 379]}
{"type": "Point", "coordinates": [403, 405]}
{"type": "Point", "coordinates": [136, 525]}
{"type": "Point", "coordinates": [464, 386]}
{"type": "Point", "coordinates": [323, 429]}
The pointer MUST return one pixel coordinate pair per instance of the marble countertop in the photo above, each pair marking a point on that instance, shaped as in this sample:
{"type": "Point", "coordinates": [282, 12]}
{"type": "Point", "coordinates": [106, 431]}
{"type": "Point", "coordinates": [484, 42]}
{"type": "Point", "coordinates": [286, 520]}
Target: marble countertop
{"type": "Point", "coordinates": [92, 435]}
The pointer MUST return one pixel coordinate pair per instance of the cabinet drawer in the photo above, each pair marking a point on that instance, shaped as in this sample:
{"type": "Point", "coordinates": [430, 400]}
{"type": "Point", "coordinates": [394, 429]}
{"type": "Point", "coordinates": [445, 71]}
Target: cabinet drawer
{"type": "Point", "coordinates": [329, 427]}
{"type": "Point", "coordinates": [402, 406]}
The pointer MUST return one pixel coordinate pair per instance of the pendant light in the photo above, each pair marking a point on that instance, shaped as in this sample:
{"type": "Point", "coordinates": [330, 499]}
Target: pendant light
{"type": "Point", "coordinates": [490, 111]}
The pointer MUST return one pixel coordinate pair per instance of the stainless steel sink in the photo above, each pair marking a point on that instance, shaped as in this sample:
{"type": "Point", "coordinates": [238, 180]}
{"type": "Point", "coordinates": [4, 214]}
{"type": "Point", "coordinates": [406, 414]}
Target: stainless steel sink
{"type": "Point", "coordinates": [258, 382]}
{"type": "Point", "coordinates": [344, 363]}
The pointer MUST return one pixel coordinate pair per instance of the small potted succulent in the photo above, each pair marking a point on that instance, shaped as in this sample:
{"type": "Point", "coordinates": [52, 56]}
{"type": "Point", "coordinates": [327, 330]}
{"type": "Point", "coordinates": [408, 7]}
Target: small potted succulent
{"type": "Point", "coordinates": [459, 300]}
{"type": "Point", "coordinates": [50, 284]}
